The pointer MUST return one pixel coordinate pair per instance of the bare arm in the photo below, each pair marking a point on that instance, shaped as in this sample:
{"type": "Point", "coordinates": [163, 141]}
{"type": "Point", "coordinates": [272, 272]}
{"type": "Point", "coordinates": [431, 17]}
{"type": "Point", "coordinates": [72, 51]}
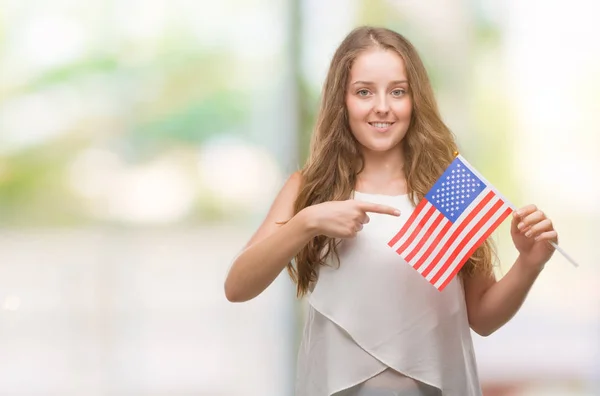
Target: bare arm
{"type": "Point", "coordinates": [491, 304]}
{"type": "Point", "coordinates": [271, 248]}
{"type": "Point", "coordinates": [273, 245]}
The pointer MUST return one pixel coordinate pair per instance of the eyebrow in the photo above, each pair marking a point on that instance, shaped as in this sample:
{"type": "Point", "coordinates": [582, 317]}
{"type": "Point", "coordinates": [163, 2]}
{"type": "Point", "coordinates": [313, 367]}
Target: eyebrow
{"type": "Point", "coordinates": [397, 82]}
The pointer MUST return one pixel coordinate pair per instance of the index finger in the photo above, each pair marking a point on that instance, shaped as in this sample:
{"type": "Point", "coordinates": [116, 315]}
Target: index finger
{"type": "Point", "coordinates": [526, 210]}
{"type": "Point", "coordinates": [370, 207]}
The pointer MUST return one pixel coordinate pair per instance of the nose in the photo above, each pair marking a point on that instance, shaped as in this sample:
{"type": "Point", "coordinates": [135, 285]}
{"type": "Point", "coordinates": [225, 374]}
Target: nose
{"type": "Point", "coordinates": [381, 104]}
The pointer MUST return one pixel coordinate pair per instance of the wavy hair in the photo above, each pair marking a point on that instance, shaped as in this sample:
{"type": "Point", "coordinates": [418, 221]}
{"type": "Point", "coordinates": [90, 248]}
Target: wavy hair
{"type": "Point", "coordinates": [331, 170]}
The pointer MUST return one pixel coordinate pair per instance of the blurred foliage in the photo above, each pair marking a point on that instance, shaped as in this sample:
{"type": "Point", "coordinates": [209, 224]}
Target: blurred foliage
{"type": "Point", "coordinates": [192, 123]}
{"type": "Point", "coordinates": [172, 100]}
{"type": "Point", "coordinates": [69, 74]}
{"type": "Point", "coordinates": [31, 192]}
{"type": "Point", "coordinates": [178, 95]}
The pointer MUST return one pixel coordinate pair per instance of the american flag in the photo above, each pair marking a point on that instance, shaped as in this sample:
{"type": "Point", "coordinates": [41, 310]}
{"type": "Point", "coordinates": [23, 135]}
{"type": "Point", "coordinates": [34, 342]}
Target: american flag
{"type": "Point", "coordinates": [456, 216]}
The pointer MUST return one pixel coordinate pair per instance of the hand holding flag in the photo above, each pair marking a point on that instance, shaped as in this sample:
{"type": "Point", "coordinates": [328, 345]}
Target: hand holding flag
{"type": "Point", "coordinates": [455, 217]}
{"type": "Point", "coordinates": [529, 227]}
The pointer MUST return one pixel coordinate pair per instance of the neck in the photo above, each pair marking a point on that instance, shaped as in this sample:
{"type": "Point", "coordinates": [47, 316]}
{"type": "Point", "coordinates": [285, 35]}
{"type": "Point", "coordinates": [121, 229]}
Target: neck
{"type": "Point", "coordinates": [383, 173]}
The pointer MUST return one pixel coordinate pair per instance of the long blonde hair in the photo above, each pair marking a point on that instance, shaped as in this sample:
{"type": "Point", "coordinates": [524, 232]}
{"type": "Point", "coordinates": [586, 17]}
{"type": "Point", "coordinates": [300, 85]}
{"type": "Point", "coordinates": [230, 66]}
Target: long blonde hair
{"type": "Point", "coordinates": [331, 170]}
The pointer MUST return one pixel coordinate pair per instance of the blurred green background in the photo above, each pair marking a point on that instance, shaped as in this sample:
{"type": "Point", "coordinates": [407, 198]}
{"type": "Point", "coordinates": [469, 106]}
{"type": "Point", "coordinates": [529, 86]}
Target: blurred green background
{"type": "Point", "coordinates": [142, 142]}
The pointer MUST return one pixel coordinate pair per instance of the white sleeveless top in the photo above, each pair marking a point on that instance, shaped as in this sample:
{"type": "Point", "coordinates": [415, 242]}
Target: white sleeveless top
{"type": "Point", "coordinates": [375, 323]}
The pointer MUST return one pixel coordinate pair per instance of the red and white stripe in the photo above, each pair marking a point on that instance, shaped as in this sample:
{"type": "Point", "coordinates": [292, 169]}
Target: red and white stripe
{"type": "Point", "coordinates": [438, 248]}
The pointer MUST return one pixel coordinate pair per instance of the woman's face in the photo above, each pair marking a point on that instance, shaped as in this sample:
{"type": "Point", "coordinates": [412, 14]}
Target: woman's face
{"type": "Point", "coordinates": [378, 100]}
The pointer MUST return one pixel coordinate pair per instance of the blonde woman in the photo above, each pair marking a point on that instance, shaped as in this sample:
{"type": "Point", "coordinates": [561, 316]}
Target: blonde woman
{"type": "Point", "coordinates": [375, 326]}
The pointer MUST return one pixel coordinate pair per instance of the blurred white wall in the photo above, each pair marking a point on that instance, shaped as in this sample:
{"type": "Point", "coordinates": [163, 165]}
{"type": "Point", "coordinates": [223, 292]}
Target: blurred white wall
{"type": "Point", "coordinates": [117, 312]}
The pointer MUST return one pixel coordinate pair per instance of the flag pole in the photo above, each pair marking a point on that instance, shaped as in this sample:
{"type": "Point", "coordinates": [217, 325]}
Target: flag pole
{"type": "Point", "coordinates": [552, 243]}
{"type": "Point", "coordinates": [565, 255]}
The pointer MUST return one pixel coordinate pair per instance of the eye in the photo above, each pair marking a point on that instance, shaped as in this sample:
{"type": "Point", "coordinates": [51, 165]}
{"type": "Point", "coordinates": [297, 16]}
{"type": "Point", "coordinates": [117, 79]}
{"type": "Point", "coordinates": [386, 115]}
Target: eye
{"type": "Point", "coordinates": [398, 92]}
{"type": "Point", "coordinates": [362, 92]}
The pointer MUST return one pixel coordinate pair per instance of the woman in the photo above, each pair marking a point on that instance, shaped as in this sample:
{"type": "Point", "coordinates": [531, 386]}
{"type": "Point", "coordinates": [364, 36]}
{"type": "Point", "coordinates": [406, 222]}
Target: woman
{"type": "Point", "coordinates": [375, 326]}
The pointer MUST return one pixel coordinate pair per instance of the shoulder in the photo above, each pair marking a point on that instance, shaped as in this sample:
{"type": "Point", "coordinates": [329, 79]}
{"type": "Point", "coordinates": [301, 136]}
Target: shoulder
{"type": "Point", "coordinates": [295, 180]}
{"type": "Point", "coordinates": [282, 208]}
{"type": "Point", "coordinates": [291, 188]}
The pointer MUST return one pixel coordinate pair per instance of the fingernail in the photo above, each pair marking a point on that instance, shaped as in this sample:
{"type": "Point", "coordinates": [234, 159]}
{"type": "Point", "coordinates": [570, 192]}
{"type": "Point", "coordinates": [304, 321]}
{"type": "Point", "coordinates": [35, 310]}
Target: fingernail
{"type": "Point", "coordinates": [397, 212]}
{"type": "Point", "coordinates": [521, 225]}
{"type": "Point", "coordinates": [528, 234]}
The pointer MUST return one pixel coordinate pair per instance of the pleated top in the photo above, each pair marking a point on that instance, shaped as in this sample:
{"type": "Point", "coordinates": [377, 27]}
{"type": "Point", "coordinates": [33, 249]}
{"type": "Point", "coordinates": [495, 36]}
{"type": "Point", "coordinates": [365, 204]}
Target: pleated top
{"type": "Point", "coordinates": [375, 323]}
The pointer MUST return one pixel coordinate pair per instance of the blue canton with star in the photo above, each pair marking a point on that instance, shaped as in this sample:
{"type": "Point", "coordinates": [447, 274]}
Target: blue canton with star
{"type": "Point", "coordinates": [455, 190]}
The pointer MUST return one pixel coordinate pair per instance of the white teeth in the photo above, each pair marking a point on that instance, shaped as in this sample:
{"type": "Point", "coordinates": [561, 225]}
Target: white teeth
{"type": "Point", "coordinates": [381, 124]}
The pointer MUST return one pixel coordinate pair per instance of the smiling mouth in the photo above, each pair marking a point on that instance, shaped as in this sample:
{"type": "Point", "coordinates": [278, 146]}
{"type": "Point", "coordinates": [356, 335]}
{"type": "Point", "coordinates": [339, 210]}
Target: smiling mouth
{"type": "Point", "coordinates": [381, 124]}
